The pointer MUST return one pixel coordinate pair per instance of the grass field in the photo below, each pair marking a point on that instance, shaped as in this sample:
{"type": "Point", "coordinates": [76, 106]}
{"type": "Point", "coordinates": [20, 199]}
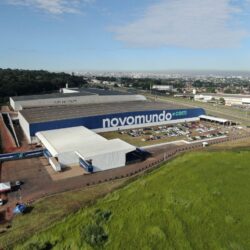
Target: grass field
{"type": "Point", "coordinates": [220, 111]}
{"type": "Point", "coordinates": [197, 201]}
{"type": "Point", "coordinates": [238, 144]}
{"type": "Point", "coordinates": [47, 211]}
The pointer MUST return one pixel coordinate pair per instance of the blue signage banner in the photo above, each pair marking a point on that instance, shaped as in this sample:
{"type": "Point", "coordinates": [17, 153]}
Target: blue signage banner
{"type": "Point", "coordinates": [20, 155]}
{"type": "Point", "coordinates": [119, 120]}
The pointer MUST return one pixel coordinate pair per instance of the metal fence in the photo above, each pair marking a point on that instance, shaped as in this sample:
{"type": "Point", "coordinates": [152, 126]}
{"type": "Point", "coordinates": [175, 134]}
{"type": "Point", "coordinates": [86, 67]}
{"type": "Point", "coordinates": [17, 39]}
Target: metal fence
{"type": "Point", "coordinates": [164, 157]}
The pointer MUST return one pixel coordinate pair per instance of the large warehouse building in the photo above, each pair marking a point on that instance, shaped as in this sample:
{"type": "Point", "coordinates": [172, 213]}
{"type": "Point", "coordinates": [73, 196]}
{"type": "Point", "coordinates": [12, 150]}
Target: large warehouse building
{"type": "Point", "coordinates": [83, 96]}
{"type": "Point", "coordinates": [103, 117]}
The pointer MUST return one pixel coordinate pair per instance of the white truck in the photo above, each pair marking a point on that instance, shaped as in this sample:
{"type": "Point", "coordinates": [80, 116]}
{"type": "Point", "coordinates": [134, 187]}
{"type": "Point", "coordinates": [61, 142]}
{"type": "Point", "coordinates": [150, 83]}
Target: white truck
{"type": "Point", "coordinates": [4, 187]}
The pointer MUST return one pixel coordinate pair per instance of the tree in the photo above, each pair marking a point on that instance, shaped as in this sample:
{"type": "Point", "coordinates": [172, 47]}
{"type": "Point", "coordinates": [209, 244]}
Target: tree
{"type": "Point", "coordinates": [222, 101]}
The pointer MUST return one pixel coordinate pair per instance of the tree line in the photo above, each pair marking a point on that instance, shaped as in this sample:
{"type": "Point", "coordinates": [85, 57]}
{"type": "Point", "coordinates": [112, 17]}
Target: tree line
{"type": "Point", "coordinates": [14, 82]}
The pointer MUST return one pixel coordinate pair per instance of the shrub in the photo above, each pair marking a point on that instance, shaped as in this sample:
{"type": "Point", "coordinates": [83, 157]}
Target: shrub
{"type": "Point", "coordinates": [38, 245]}
{"type": "Point", "coordinates": [101, 216]}
{"type": "Point", "coordinates": [94, 235]}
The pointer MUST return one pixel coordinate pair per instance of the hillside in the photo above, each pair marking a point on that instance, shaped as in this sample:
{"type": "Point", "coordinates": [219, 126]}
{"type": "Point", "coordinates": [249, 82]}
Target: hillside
{"type": "Point", "coordinates": [197, 201]}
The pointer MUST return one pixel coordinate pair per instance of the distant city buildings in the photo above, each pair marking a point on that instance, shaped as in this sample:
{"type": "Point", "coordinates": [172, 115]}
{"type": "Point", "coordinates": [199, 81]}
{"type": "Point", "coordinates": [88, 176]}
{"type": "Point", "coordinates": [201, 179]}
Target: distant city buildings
{"type": "Point", "coordinates": [241, 75]}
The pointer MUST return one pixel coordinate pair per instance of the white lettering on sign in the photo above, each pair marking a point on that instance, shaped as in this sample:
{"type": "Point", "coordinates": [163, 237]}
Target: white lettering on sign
{"type": "Point", "coordinates": [138, 119]}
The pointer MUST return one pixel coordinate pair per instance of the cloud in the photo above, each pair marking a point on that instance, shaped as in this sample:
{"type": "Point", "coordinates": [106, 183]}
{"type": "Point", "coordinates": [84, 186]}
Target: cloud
{"type": "Point", "coordinates": [52, 6]}
{"type": "Point", "coordinates": [184, 23]}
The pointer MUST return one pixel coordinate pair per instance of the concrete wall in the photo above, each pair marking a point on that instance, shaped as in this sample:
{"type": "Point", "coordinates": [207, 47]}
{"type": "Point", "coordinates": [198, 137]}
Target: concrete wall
{"type": "Point", "coordinates": [54, 164]}
{"type": "Point", "coordinates": [15, 105]}
{"type": "Point", "coordinates": [25, 126]}
{"type": "Point", "coordinates": [68, 159]}
{"type": "Point", "coordinates": [107, 161]}
{"type": "Point", "coordinates": [100, 161]}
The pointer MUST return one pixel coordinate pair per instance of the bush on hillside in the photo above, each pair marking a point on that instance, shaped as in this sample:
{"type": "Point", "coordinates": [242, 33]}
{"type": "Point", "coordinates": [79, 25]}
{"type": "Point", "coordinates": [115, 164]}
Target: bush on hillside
{"type": "Point", "coordinates": [101, 216]}
{"type": "Point", "coordinates": [94, 235]}
{"type": "Point", "coordinates": [38, 245]}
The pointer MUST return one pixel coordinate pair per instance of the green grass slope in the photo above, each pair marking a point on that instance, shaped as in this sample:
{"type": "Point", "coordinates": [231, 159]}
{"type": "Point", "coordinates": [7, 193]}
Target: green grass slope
{"type": "Point", "coordinates": [200, 200]}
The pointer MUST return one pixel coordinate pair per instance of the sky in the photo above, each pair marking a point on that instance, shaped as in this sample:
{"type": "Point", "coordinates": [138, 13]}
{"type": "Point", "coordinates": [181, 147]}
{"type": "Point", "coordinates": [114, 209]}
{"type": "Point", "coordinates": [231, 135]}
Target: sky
{"type": "Point", "coordinates": [118, 35]}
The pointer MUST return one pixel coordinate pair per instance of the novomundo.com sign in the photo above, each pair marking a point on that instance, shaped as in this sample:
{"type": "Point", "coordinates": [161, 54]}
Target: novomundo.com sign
{"type": "Point", "coordinates": [137, 119]}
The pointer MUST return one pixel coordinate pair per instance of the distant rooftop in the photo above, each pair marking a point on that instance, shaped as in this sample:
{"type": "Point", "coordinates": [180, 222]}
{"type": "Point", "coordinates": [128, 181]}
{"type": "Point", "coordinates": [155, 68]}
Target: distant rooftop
{"type": "Point", "coordinates": [82, 92]}
{"type": "Point", "coordinates": [225, 95]}
{"type": "Point", "coordinates": [102, 91]}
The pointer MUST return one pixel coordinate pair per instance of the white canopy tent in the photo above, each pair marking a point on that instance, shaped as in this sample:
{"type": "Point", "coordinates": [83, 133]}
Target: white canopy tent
{"type": "Point", "coordinates": [70, 144]}
{"type": "Point", "coordinates": [215, 119]}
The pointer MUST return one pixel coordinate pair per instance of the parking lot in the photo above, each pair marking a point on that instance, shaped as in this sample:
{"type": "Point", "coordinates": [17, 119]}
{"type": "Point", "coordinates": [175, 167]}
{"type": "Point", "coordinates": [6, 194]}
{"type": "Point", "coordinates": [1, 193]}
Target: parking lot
{"type": "Point", "coordinates": [192, 131]}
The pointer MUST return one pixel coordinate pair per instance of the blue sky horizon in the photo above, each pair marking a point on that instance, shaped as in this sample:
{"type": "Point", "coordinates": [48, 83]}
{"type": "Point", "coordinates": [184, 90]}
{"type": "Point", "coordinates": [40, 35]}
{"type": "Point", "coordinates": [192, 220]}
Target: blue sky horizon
{"type": "Point", "coordinates": [111, 35]}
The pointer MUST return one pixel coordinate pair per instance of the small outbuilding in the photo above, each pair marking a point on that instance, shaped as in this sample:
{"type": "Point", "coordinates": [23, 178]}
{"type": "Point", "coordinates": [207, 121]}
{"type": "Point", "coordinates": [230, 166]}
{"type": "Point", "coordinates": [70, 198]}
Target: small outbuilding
{"type": "Point", "coordinates": [81, 146]}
